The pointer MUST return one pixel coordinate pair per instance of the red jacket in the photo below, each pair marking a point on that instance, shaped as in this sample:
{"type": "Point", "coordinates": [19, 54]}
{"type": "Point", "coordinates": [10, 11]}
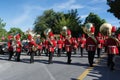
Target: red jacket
{"type": "Point", "coordinates": [52, 45]}
{"type": "Point", "coordinates": [31, 44]}
{"type": "Point", "coordinates": [100, 42]}
{"type": "Point", "coordinates": [83, 42]}
{"type": "Point", "coordinates": [75, 43]}
{"type": "Point", "coordinates": [46, 44]}
{"type": "Point", "coordinates": [19, 46]}
{"type": "Point", "coordinates": [112, 45]}
{"type": "Point", "coordinates": [60, 44]}
{"type": "Point", "coordinates": [10, 47]}
{"type": "Point", "coordinates": [91, 44]}
{"type": "Point", "coordinates": [68, 45]}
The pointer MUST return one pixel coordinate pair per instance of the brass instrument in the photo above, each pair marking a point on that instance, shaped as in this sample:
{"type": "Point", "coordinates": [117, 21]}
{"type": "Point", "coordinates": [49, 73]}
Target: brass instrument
{"type": "Point", "coordinates": [105, 29]}
{"type": "Point", "coordinates": [64, 31]}
{"type": "Point", "coordinates": [46, 32]}
{"type": "Point", "coordinates": [87, 28]}
{"type": "Point", "coordinates": [34, 48]}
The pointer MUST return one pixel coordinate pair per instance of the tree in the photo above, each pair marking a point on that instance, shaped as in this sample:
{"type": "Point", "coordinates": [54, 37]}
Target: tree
{"type": "Point", "coordinates": [3, 32]}
{"type": "Point", "coordinates": [56, 20]}
{"type": "Point", "coordinates": [96, 20]}
{"type": "Point", "coordinates": [118, 30]}
{"type": "Point", "coordinates": [47, 20]}
{"type": "Point", "coordinates": [114, 7]}
{"type": "Point", "coordinates": [75, 22]}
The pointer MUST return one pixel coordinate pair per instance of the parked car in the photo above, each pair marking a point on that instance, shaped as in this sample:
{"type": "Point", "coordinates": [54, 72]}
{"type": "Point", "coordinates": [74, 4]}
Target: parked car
{"type": "Point", "coordinates": [3, 48]}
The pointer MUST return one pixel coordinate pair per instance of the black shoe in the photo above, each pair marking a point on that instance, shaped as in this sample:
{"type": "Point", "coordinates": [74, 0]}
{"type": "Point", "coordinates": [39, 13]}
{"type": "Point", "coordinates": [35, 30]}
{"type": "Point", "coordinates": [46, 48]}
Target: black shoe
{"type": "Point", "coordinates": [91, 65]}
{"type": "Point", "coordinates": [69, 62]}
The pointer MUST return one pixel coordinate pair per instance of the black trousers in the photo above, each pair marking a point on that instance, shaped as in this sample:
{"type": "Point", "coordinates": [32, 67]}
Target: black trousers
{"type": "Point", "coordinates": [105, 49]}
{"type": "Point", "coordinates": [59, 52]}
{"type": "Point", "coordinates": [81, 50]}
{"type": "Point", "coordinates": [32, 57]}
{"type": "Point", "coordinates": [110, 62]}
{"type": "Point", "coordinates": [39, 52]}
{"type": "Point", "coordinates": [50, 57]}
{"type": "Point", "coordinates": [98, 52]}
{"type": "Point", "coordinates": [18, 56]}
{"type": "Point", "coordinates": [91, 55]}
{"type": "Point", "coordinates": [10, 54]}
{"type": "Point", "coordinates": [69, 57]}
{"type": "Point", "coordinates": [46, 52]}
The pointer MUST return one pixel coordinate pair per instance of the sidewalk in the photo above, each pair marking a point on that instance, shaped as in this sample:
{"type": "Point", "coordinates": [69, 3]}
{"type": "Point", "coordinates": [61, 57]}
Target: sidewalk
{"type": "Point", "coordinates": [102, 72]}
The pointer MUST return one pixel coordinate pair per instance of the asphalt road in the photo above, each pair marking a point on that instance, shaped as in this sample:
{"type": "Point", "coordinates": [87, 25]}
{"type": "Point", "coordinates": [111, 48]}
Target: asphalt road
{"type": "Point", "coordinates": [41, 70]}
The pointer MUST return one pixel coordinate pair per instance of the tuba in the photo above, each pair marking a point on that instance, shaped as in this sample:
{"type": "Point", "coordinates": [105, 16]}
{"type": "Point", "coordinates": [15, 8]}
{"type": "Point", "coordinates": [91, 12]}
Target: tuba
{"type": "Point", "coordinates": [87, 28]}
{"type": "Point", "coordinates": [105, 29]}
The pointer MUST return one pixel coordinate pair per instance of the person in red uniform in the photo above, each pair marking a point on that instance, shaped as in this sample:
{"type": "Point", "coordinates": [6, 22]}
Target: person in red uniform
{"type": "Point", "coordinates": [82, 44]}
{"type": "Point", "coordinates": [91, 44]}
{"type": "Point", "coordinates": [18, 47]}
{"type": "Point", "coordinates": [78, 40]}
{"type": "Point", "coordinates": [112, 45]}
{"type": "Point", "coordinates": [100, 44]}
{"type": "Point", "coordinates": [51, 47]}
{"type": "Point", "coordinates": [32, 46]}
{"type": "Point", "coordinates": [119, 42]}
{"type": "Point", "coordinates": [68, 46]}
{"type": "Point", "coordinates": [39, 48]}
{"type": "Point", "coordinates": [75, 45]}
{"type": "Point", "coordinates": [60, 46]}
{"type": "Point", "coordinates": [46, 47]}
{"type": "Point", "coordinates": [10, 47]}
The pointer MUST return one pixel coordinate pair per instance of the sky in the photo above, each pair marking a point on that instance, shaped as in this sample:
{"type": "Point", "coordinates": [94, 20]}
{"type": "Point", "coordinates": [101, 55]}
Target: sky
{"type": "Point", "coordinates": [23, 13]}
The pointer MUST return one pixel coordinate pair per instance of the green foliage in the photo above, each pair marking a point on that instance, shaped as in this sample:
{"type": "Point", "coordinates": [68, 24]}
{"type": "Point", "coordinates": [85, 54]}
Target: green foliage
{"type": "Point", "coordinates": [114, 7]}
{"type": "Point", "coordinates": [47, 20]}
{"type": "Point", "coordinates": [56, 20]}
{"type": "Point", "coordinates": [2, 24]}
{"type": "Point", "coordinates": [3, 32]}
{"type": "Point", "coordinates": [75, 22]}
{"type": "Point", "coordinates": [118, 30]}
{"type": "Point", "coordinates": [96, 20]}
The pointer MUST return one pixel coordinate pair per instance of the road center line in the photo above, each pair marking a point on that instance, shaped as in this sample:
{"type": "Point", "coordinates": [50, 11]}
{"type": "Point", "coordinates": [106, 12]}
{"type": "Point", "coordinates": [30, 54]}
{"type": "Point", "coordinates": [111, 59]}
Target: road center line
{"type": "Point", "coordinates": [84, 74]}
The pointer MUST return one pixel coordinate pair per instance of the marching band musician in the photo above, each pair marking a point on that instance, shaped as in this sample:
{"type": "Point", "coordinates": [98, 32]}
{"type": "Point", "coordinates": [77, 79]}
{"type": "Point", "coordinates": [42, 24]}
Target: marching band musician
{"type": "Point", "coordinates": [75, 45]}
{"type": "Point", "coordinates": [100, 44]}
{"type": "Point", "coordinates": [91, 44]}
{"type": "Point", "coordinates": [78, 40]}
{"type": "Point", "coordinates": [18, 47]}
{"type": "Point", "coordinates": [39, 45]}
{"type": "Point", "coordinates": [40, 48]}
{"type": "Point", "coordinates": [82, 44]}
{"type": "Point", "coordinates": [68, 46]}
{"type": "Point", "coordinates": [46, 46]}
{"type": "Point", "coordinates": [51, 47]}
{"type": "Point", "coordinates": [10, 47]}
{"type": "Point", "coordinates": [60, 46]}
{"type": "Point", "coordinates": [112, 45]}
{"type": "Point", "coordinates": [32, 46]}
